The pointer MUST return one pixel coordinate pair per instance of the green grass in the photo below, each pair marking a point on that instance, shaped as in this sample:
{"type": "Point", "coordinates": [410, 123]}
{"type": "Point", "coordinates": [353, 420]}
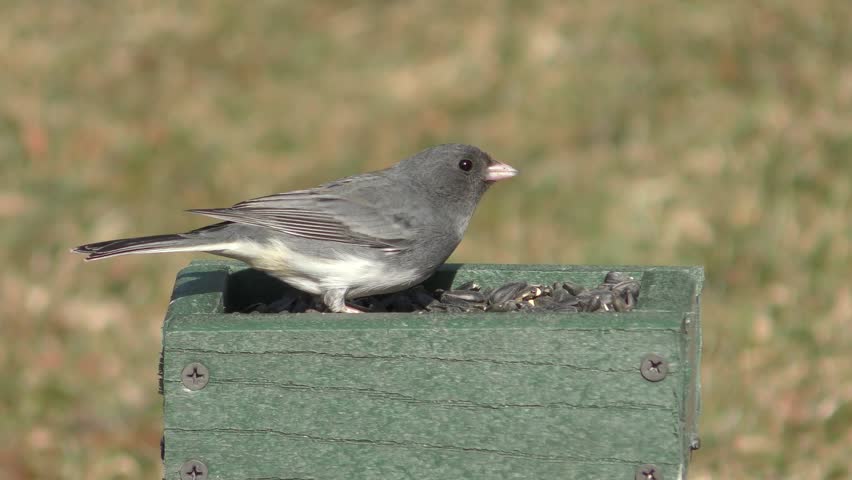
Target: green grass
{"type": "Point", "coordinates": [714, 133]}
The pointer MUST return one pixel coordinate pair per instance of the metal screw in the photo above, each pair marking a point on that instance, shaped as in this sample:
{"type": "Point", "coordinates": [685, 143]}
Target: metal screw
{"type": "Point", "coordinates": [648, 472]}
{"type": "Point", "coordinates": [195, 376]}
{"type": "Point", "coordinates": [193, 470]}
{"type": "Point", "coordinates": [695, 444]}
{"type": "Point", "coordinates": [654, 367]}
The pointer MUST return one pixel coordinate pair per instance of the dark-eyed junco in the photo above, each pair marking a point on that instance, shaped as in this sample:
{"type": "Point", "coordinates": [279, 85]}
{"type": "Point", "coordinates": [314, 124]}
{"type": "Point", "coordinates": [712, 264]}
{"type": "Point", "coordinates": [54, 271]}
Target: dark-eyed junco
{"type": "Point", "coordinates": [377, 232]}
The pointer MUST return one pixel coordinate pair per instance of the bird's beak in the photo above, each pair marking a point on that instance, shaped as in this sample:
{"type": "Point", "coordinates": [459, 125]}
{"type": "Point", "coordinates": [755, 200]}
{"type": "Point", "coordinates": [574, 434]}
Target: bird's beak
{"type": "Point", "coordinates": [499, 171]}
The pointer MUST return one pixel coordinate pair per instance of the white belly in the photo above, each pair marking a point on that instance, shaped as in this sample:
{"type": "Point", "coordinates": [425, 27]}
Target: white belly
{"type": "Point", "coordinates": [317, 275]}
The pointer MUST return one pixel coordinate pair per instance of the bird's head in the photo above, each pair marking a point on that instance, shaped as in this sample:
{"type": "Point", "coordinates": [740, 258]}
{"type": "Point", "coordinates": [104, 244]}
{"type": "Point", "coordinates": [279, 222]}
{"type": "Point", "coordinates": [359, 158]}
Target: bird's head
{"type": "Point", "coordinates": [455, 171]}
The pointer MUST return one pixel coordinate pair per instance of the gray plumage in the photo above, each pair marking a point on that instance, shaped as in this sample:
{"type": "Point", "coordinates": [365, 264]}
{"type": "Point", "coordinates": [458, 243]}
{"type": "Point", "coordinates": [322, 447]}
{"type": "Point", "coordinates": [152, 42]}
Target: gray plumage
{"type": "Point", "coordinates": [367, 234]}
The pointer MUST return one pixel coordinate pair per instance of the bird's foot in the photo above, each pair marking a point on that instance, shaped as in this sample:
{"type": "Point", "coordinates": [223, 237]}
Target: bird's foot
{"type": "Point", "coordinates": [335, 301]}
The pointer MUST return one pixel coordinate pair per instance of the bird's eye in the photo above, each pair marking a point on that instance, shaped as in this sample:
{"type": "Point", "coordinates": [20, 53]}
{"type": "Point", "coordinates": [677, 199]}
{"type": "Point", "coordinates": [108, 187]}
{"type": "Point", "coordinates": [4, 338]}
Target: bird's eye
{"type": "Point", "coordinates": [466, 165]}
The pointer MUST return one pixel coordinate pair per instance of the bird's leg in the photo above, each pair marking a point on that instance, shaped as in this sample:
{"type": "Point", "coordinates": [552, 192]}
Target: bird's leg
{"type": "Point", "coordinates": [335, 300]}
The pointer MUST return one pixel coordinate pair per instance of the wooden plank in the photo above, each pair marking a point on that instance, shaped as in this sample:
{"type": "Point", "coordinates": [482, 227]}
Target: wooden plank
{"type": "Point", "coordinates": [269, 455]}
{"type": "Point", "coordinates": [352, 356]}
{"type": "Point", "coordinates": [557, 431]}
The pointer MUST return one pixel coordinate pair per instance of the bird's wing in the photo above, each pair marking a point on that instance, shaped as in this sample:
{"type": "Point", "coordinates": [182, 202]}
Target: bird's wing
{"type": "Point", "coordinates": [336, 212]}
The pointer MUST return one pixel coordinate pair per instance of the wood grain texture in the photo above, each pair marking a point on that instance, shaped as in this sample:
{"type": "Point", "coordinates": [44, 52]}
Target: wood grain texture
{"type": "Point", "coordinates": [431, 396]}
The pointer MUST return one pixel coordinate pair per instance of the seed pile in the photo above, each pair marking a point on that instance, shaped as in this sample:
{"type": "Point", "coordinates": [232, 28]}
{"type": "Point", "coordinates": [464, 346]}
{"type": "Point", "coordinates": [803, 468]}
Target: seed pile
{"type": "Point", "coordinates": [618, 292]}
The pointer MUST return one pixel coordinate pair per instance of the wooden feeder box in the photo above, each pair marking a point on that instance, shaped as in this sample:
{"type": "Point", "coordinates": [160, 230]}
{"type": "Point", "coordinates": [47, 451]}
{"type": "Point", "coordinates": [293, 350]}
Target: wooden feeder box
{"type": "Point", "coordinates": [431, 396]}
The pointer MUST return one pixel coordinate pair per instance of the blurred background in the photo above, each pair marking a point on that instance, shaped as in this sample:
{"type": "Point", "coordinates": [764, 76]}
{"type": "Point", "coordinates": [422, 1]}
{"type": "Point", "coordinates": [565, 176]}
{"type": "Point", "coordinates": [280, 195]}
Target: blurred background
{"type": "Point", "coordinates": [713, 133]}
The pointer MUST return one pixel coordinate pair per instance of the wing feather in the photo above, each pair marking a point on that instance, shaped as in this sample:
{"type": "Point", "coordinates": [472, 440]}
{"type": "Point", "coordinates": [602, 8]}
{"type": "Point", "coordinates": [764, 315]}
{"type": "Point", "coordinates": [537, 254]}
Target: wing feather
{"type": "Point", "coordinates": [322, 215]}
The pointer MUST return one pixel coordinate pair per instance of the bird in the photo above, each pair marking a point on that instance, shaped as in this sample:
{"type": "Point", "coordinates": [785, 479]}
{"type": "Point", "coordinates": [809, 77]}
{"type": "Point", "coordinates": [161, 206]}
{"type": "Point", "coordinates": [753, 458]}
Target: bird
{"type": "Point", "coordinates": [367, 234]}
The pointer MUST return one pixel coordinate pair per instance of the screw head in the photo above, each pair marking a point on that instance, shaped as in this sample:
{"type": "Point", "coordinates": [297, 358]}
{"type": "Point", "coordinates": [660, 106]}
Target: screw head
{"type": "Point", "coordinates": [193, 470]}
{"type": "Point", "coordinates": [648, 472]}
{"type": "Point", "coordinates": [653, 367]}
{"type": "Point", "coordinates": [695, 444]}
{"type": "Point", "coordinates": [195, 376]}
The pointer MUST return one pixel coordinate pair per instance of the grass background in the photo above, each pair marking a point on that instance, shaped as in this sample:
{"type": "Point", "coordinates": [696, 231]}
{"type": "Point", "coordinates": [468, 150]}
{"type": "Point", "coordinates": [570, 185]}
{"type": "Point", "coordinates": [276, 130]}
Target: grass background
{"type": "Point", "coordinates": [715, 133]}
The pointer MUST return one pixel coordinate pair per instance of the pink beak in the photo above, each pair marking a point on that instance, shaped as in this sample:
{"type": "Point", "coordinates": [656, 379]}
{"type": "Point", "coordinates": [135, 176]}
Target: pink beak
{"type": "Point", "coordinates": [499, 171]}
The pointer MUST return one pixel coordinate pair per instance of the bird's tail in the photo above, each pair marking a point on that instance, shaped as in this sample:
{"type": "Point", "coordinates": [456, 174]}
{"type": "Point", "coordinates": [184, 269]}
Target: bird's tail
{"type": "Point", "coordinates": [151, 244]}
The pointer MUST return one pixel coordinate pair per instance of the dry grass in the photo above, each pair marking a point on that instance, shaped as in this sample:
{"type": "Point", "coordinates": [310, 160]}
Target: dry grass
{"type": "Point", "coordinates": [714, 133]}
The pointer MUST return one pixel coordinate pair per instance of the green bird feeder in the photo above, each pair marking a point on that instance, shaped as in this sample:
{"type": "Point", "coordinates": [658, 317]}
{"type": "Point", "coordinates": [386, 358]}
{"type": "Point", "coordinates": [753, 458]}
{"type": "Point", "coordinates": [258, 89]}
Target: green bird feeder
{"type": "Point", "coordinates": [431, 396]}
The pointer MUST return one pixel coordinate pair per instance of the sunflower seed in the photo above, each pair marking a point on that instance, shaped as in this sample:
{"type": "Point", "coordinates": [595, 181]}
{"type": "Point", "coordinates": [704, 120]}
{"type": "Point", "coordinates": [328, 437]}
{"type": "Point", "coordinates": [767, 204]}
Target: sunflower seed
{"type": "Point", "coordinates": [573, 288]}
{"type": "Point", "coordinates": [550, 304]}
{"type": "Point", "coordinates": [631, 286]}
{"type": "Point", "coordinates": [508, 306]}
{"type": "Point", "coordinates": [469, 296]}
{"type": "Point", "coordinates": [530, 293]}
{"type": "Point", "coordinates": [619, 304]}
{"type": "Point", "coordinates": [630, 300]}
{"type": "Point", "coordinates": [562, 296]}
{"type": "Point", "coordinates": [507, 292]}
{"type": "Point", "coordinates": [616, 277]}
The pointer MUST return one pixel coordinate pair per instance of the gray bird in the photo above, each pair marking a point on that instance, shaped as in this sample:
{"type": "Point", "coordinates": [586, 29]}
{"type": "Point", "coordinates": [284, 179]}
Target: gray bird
{"type": "Point", "coordinates": [367, 234]}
